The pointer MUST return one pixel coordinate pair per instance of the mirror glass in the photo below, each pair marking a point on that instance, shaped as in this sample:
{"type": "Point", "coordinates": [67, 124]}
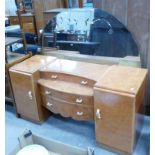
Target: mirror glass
{"type": "Point", "coordinates": [91, 32]}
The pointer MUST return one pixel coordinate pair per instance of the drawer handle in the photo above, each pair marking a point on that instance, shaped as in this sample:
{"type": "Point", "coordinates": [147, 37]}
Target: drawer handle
{"type": "Point", "coordinates": [47, 92]}
{"type": "Point", "coordinates": [49, 104]}
{"type": "Point", "coordinates": [98, 113]}
{"type": "Point", "coordinates": [30, 95]}
{"type": "Point", "coordinates": [78, 100]}
{"type": "Point", "coordinates": [54, 76]}
{"type": "Point", "coordinates": [84, 82]}
{"type": "Point", "coordinates": [79, 113]}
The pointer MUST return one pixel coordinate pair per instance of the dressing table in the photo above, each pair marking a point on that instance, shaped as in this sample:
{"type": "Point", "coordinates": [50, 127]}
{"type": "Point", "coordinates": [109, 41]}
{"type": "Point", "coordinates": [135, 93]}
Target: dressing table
{"type": "Point", "coordinates": [110, 95]}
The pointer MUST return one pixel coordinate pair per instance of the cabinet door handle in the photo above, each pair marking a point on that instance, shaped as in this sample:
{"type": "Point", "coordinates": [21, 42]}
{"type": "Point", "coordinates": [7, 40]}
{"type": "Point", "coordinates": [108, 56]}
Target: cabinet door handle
{"type": "Point", "coordinates": [30, 95]}
{"type": "Point", "coordinates": [54, 76]}
{"type": "Point", "coordinates": [47, 92]}
{"type": "Point", "coordinates": [79, 113]}
{"type": "Point", "coordinates": [49, 104]}
{"type": "Point", "coordinates": [98, 113]}
{"type": "Point", "coordinates": [84, 82]}
{"type": "Point", "coordinates": [78, 100]}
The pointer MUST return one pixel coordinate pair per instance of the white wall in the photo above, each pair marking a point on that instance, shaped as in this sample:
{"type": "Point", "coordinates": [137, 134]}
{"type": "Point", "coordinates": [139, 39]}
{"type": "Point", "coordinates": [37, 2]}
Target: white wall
{"type": "Point", "coordinates": [10, 7]}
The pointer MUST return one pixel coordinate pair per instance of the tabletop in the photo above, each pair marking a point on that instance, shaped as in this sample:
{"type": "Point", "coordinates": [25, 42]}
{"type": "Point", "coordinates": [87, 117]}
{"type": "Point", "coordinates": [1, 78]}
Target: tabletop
{"type": "Point", "coordinates": [12, 40]}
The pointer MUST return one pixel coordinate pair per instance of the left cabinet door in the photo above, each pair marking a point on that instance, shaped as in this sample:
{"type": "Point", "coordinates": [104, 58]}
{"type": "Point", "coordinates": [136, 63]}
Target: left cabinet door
{"type": "Point", "coordinates": [22, 84]}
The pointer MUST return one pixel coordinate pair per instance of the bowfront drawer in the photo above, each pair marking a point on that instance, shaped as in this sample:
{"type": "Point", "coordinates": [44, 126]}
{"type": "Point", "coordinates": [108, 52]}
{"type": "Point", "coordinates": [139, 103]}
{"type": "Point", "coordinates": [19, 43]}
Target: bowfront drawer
{"type": "Point", "coordinates": [68, 97]}
{"type": "Point", "coordinates": [66, 109]}
{"type": "Point", "coordinates": [83, 112]}
{"type": "Point", "coordinates": [57, 106]}
{"type": "Point", "coordinates": [67, 77]}
{"type": "Point", "coordinates": [49, 104]}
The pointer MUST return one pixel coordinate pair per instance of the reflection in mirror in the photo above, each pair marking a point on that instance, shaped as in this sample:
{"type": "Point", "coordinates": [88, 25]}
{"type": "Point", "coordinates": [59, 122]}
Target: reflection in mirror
{"type": "Point", "coordinates": [91, 32]}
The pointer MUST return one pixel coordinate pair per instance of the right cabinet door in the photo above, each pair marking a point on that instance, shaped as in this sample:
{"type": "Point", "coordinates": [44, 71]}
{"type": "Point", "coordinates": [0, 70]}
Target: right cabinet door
{"type": "Point", "coordinates": [22, 84]}
{"type": "Point", "coordinates": [114, 120]}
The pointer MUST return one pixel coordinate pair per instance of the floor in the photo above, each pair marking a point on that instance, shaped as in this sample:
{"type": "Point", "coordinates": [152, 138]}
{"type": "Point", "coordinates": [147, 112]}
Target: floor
{"type": "Point", "coordinates": [77, 133]}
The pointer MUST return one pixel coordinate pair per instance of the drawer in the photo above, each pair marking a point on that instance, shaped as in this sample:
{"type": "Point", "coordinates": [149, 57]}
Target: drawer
{"type": "Point", "coordinates": [14, 20]}
{"type": "Point", "coordinates": [79, 112]}
{"type": "Point", "coordinates": [28, 27]}
{"type": "Point", "coordinates": [66, 109]}
{"type": "Point", "coordinates": [26, 19]}
{"type": "Point", "coordinates": [67, 77]}
{"type": "Point", "coordinates": [67, 97]}
{"type": "Point", "coordinates": [57, 106]}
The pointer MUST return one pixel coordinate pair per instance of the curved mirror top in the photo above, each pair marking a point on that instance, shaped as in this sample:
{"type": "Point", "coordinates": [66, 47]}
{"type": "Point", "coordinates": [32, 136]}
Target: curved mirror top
{"type": "Point", "coordinates": [91, 32]}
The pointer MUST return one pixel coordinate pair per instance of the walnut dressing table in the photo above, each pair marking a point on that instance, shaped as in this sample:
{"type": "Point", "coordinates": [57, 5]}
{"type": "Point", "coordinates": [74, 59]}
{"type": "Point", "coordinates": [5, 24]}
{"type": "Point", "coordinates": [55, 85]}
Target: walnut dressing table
{"type": "Point", "coordinates": [112, 96]}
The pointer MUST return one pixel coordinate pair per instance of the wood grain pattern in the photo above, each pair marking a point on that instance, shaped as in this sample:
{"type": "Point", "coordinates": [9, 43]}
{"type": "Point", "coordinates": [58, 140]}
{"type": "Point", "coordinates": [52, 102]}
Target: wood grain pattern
{"type": "Point", "coordinates": [16, 61]}
{"type": "Point", "coordinates": [33, 64]}
{"type": "Point", "coordinates": [116, 8]}
{"type": "Point", "coordinates": [119, 95]}
{"type": "Point", "coordinates": [8, 86]}
{"type": "Point", "coordinates": [29, 24]}
{"type": "Point", "coordinates": [24, 78]}
{"type": "Point", "coordinates": [139, 25]}
{"type": "Point", "coordinates": [43, 113]}
{"type": "Point", "coordinates": [39, 6]}
{"type": "Point", "coordinates": [123, 79]}
{"type": "Point", "coordinates": [48, 4]}
{"type": "Point", "coordinates": [135, 15]}
{"type": "Point", "coordinates": [83, 69]}
{"type": "Point", "coordinates": [27, 20]}
{"type": "Point", "coordinates": [116, 126]}
{"type": "Point", "coordinates": [27, 98]}
{"type": "Point", "coordinates": [66, 87]}
{"type": "Point", "coordinates": [113, 96]}
{"type": "Point", "coordinates": [67, 77]}
{"type": "Point", "coordinates": [68, 97]}
{"type": "Point", "coordinates": [22, 86]}
{"type": "Point", "coordinates": [67, 109]}
{"type": "Point", "coordinates": [14, 20]}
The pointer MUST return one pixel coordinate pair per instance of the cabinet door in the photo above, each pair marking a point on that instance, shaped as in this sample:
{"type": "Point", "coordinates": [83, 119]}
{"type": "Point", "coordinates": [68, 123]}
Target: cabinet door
{"type": "Point", "coordinates": [24, 95]}
{"type": "Point", "coordinates": [114, 120]}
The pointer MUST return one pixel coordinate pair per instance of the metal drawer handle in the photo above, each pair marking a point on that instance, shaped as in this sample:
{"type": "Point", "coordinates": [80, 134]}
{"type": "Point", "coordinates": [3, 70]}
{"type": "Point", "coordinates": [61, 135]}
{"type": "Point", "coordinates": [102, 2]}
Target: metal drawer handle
{"type": "Point", "coordinates": [79, 113]}
{"type": "Point", "coordinates": [49, 104]}
{"type": "Point", "coordinates": [47, 92]}
{"type": "Point", "coordinates": [54, 76]}
{"type": "Point", "coordinates": [78, 100]}
{"type": "Point", "coordinates": [84, 82]}
{"type": "Point", "coordinates": [98, 113]}
{"type": "Point", "coordinates": [30, 95]}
